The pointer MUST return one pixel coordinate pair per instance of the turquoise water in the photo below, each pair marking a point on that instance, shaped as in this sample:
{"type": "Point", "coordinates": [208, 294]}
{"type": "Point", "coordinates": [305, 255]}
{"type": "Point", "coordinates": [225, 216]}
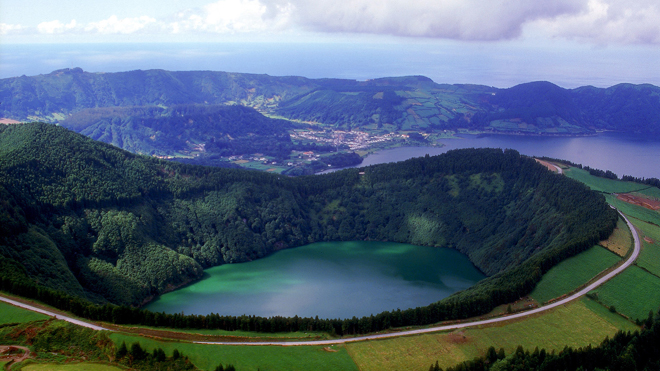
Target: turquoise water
{"type": "Point", "coordinates": [329, 279]}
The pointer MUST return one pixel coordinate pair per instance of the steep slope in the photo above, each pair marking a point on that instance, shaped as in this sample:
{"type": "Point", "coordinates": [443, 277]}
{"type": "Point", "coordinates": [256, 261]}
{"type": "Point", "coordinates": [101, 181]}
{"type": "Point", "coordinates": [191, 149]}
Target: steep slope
{"type": "Point", "coordinates": [121, 227]}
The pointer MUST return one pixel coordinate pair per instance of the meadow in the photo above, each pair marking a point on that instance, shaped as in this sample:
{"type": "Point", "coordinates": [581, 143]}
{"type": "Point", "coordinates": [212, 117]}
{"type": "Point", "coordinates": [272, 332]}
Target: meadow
{"type": "Point", "coordinates": [602, 184]}
{"type": "Point", "coordinates": [572, 273]}
{"type": "Point", "coordinates": [274, 358]}
{"type": "Point", "coordinates": [633, 293]}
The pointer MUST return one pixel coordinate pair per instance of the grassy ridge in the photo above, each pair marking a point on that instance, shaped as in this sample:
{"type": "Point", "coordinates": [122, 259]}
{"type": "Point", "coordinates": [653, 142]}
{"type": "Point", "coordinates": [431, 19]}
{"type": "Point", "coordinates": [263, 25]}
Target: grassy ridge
{"type": "Point", "coordinates": [602, 184]}
{"type": "Point", "coordinates": [572, 273]}
{"type": "Point", "coordinates": [251, 358]}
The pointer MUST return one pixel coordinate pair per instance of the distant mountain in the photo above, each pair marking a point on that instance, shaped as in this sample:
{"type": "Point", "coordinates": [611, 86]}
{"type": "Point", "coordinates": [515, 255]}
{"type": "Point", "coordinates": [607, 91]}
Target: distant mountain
{"type": "Point", "coordinates": [400, 103]}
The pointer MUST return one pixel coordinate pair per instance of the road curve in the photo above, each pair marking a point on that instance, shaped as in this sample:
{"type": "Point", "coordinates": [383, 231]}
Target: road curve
{"type": "Point", "coordinates": [600, 281]}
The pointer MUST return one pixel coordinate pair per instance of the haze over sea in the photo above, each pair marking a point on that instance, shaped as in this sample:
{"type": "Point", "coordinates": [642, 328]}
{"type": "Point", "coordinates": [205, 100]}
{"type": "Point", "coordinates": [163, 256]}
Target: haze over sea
{"type": "Point", "coordinates": [442, 61]}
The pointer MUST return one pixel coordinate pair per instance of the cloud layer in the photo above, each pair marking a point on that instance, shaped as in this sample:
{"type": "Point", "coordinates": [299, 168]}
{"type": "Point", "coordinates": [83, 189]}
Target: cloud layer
{"type": "Point", "coordinates": [597, 21]}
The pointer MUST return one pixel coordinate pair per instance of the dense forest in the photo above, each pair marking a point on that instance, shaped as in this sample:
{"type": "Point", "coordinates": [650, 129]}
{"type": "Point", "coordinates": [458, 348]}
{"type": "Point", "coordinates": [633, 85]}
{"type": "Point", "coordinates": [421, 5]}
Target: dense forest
{"type": "Point", "coordinates": [394, 103]}
{"type": "Point", "coordinates": [85, 219]}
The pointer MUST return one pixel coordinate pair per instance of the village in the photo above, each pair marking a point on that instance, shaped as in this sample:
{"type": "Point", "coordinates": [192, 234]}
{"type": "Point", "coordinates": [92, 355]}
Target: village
{"type": "Point", "coordinates": [355, 140]}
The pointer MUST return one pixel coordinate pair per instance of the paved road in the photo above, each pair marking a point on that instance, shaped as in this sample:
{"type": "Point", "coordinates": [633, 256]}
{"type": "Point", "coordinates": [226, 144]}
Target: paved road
{"type": "Point", "coordinates": [578, 294]}
{"type": "Point", "coordinates": [560, 171]}
{"type": "Point", "coordinates": [49, 313]}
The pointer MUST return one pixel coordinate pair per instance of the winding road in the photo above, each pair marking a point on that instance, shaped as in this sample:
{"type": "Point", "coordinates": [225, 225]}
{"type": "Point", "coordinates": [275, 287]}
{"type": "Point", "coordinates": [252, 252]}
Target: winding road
{"type": "Point", "coordinates": [595, 284]}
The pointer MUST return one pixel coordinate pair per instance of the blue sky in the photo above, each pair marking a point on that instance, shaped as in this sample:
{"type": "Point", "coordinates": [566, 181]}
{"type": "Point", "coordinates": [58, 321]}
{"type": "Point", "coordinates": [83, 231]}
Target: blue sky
{"type": "Point", "coordinates": [603, 36]}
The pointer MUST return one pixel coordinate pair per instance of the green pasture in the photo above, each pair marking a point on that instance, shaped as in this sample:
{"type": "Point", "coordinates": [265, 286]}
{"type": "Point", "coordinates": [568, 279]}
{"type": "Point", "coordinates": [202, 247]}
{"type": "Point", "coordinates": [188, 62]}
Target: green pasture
{"type": "Point", "coordinates": [634, 211]}
{"type": "Point", "coordinates": [602, 184]}
{"type": "Point", "coordinates": [577, 324]}
{"type": "Point", "coordinates": [649, 259]}
{"type": "Point", "coordinates": [12, 314]}
{"type": "Point", "coordinates": [651, 192]}
{"type": "Point", "coordinates": [573, 273]}
{"type": "Point", "coordinates": [272, 358]}
{"type": "Point", "coordinates": [633, 293]}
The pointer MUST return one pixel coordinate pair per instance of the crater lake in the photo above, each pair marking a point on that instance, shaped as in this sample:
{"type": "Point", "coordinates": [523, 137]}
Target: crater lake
{"type": "Point", "coordinates": [327, 279]}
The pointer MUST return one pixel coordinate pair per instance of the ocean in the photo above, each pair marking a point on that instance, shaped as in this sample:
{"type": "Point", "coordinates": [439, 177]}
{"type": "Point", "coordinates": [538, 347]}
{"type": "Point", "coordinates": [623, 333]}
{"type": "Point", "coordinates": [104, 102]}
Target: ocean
{"type": "Point", "coordinates": [500, 64]}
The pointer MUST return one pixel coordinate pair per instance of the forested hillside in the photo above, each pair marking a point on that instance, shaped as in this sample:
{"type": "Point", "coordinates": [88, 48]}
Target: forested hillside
{"type": "Point", "coordinates": [217, 130]}
{"type": "Point", "coordinates": [101, 223]}
{"type": "Point", "coordinates": [389, 104]}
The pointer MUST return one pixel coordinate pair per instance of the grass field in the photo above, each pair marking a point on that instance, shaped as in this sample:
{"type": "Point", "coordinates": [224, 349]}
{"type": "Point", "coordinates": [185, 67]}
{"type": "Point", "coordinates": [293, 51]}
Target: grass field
{"type": "Point", "coordinates": [12, 314]}
{"type": "Point", "coordinates": [637, 212]}
{"type": "Point", "coordinates": [633, 293]}
{"type": "Point", "coordinates": [573, 273]}
{"type": "Point", "coordinates": [602, 184]}
{"type": "Point", "coordinates": [620, 241]}
{"type": "Point", "coordinates": [651, 192]}
{"type": "Point", "coordinates": [70, 367]}
{"type": "Point", "coordinates": [649, 259]}
{"type": "Point", "coordinates": [271, 358]}
{"type": "Point", "coordinates": [577, 324]}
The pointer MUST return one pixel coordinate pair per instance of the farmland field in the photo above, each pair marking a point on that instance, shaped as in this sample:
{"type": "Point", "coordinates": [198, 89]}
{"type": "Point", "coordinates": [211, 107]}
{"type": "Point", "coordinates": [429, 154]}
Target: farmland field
{"type": "Point", "coordinates": [649, 259]}
{"type": "Point", "coordinates": [577, 324]}
{"type": "Point", "coordinates": [633, 293]}
{"type": "Point", "coordinates": [634, 211]}
{"type": "Point", "coordinates": [572, 273]}
{"type": "Point", "coordinates": [251, 358]}
{"type": "Point", "coordinates": [620, 241]}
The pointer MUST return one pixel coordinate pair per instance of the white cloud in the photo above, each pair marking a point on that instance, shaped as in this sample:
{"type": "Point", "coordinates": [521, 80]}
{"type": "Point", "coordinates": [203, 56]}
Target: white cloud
{"type": "Point", "coordinates": [595, 21]}
{"type": "Point", "coordinates": [231, 16]}
{"type": "Point", "coordinates": [114, 25]}
{"type": "Point", "coordinates": [56, 27]}
{"type": "Point", "coordinates": [452, 19]}
{"type": "Point", "coordinates": [607, 21]}
{"type": "Point", "coordinates": [8, 29]}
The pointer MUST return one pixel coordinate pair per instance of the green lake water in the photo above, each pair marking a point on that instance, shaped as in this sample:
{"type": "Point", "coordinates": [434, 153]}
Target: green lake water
{"type": "Point", "coordinates": [328, 279]}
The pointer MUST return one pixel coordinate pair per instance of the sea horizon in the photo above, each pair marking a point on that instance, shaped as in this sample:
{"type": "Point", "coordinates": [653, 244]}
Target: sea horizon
{"type": "Point", "coordinates": [443, 63]}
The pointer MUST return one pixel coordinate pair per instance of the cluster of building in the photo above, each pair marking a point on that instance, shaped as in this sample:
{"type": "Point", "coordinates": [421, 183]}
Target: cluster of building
{"type": "Point", "coordinates": [353, 139]}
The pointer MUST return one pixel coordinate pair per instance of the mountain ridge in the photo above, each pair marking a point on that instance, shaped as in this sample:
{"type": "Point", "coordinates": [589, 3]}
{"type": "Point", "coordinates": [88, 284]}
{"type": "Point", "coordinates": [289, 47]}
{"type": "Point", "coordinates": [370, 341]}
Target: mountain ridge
{"type": "Point", "coordinates": [390, 103]}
